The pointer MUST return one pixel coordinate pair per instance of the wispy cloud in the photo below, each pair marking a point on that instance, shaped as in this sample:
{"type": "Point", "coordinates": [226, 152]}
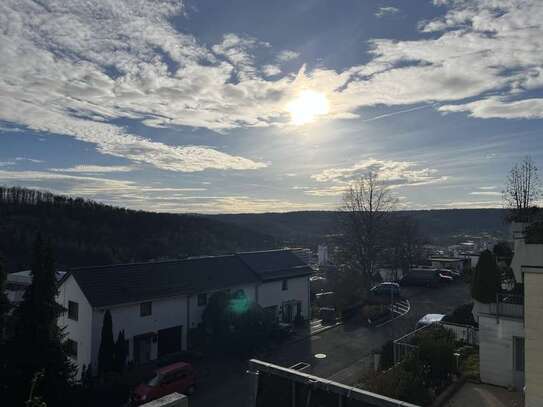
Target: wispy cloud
{"type": "Point", "coordinates": [386, 11]}
{"type": "Point", "coordinates": [94, 169]}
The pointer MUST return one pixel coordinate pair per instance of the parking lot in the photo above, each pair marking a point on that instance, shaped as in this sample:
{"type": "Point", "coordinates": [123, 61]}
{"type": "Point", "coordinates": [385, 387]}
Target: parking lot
{"type": "Point", "coordinates": [347, 349]}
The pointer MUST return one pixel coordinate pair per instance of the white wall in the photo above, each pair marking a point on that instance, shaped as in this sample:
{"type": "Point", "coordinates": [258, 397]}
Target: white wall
{"type": "Point", "coordinates": [80, 330]}
{"type": "Point", "coordinates": [533, 295]}
{"type": "Point", "coordinates": [270, 293]}
{"type": "Point", "coordinates": [167, 313]}
{"type": "Point", "coordinates": [196, 310]}
{"type": "Point", "coordinates": [496, 348]}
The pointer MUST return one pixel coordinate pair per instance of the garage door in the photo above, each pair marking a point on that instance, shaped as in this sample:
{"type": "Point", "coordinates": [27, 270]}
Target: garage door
{"type": "Point", "coordinates": [169, 340]}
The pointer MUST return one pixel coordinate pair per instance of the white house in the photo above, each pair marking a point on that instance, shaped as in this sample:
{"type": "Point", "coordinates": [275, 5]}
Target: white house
{"type": "Point", "coordinates": [510, 330]}
{"type": "Point", "coordinates": [157, 303]}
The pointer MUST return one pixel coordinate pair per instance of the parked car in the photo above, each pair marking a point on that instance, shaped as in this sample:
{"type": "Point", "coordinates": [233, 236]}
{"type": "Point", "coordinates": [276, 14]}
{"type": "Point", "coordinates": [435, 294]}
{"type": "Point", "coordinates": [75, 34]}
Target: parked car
{"type": "Point", "coordinates": [453, 273]}
{"type": "Point", "coordinates": [445, 276]}
{"type": "Point", "coordinates": [429, 319]}
{"type": "Point", "coordinates": [178, 377]}
{"type": "Point", "coordinates": [386, 288]}
{"type": "Point", "coordinates": [421, 276]}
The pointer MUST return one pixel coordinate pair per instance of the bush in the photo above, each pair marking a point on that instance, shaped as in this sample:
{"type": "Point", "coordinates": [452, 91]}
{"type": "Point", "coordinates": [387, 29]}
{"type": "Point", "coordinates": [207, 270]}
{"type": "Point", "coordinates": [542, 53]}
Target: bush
{"type": "Point", "coordinates": [485, 282]}
{"type": "Point", "coordinates": [387, 356]}
{"type": "Point", "coordinates": [462, 315]}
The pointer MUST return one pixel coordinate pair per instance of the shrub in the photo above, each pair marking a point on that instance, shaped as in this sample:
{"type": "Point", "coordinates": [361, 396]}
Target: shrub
{"type": "Point", "coordinates": [485, 282]}
{"type": "Point", "coordinates": [462, 315]}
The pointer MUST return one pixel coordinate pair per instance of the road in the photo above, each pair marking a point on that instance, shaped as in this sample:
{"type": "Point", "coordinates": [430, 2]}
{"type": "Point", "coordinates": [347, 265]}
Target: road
{"type": "Point", "coordinates": [348, 349]}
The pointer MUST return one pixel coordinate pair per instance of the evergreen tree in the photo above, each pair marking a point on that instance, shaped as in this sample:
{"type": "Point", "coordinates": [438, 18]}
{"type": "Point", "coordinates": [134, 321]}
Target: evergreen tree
{"type": "Point", "coordinates": [107, 346]}
{"type": "Point", "coordinates": [485, 281]}
{"type": "Point", "coordinates": [36, 345]}
{"type": "Point", "coordinates": [121, 352]}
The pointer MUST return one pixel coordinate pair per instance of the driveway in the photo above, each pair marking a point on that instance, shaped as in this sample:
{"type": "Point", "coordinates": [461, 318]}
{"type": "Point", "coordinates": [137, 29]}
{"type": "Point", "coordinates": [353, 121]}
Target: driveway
{"type": "Point", "coordinates": [484, 395]}
{"type": "Point", "coordinates": [347, 349]}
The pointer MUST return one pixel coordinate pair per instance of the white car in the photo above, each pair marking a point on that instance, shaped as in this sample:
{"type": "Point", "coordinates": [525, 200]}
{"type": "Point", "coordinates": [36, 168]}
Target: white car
{"type": "Point", "coordinates": [429, 319]}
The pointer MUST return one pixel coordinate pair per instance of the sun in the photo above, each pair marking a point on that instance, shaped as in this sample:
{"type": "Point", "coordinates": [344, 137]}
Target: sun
{"type": "Point", "coordinates": [307, 106]}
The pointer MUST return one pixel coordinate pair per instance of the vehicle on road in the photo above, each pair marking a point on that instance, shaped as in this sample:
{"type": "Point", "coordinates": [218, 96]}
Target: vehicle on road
{"type": "Point", "coordinates": [429, 319]}
{"type": "Point", "coordinates": [453, 273]}
{"type": "Point", "coordinates": [386, 288]}
{"type": "Point", "coordinates": [421, 276]}
{"type": "Point", "coordinates": [178, 377]}
{"type": "Point", "coordinates": [445, 276]}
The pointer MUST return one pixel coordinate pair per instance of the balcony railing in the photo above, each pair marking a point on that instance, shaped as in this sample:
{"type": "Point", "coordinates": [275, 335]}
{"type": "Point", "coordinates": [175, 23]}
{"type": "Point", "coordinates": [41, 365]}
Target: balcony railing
{"type": "Point", "coordinates": [506, 305]}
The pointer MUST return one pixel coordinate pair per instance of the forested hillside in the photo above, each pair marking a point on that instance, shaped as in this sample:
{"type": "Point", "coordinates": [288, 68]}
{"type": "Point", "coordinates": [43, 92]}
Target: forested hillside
{"type": "Point", "coordinates": [312, 227]}
{"type": "Point", "coordinates": [88, 233]}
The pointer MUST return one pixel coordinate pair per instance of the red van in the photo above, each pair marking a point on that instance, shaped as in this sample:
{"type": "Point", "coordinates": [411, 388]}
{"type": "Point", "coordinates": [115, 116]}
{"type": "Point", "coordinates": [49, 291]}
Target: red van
{"type": "Point", "coordinates": [177, 377]}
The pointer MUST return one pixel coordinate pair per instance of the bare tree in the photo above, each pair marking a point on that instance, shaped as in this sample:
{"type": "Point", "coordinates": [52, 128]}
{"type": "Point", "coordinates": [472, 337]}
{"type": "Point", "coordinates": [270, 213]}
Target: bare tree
{"type": "Point", "coordinates": [365, 210]}
{"type": "Point", "coordinates": [405, 243]}
{"type": "Point", "coordinates": [522, 189]}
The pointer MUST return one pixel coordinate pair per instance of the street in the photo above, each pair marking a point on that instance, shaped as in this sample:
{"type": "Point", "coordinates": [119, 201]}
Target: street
{"type": "Point", "coordinates": [345, 351]}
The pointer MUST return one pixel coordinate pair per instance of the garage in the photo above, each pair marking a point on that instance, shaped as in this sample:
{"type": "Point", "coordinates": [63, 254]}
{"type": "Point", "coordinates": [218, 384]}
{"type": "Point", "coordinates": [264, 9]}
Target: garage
{"type": "Point", "coordinates": [169, 340]}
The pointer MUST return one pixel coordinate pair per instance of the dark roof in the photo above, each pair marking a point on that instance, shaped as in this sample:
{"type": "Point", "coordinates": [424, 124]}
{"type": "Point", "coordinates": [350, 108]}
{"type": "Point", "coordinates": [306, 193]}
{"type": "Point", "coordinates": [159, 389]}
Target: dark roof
{"type": "Point", "coordinates": [137, 282]}
{"type": "Point", "coordinates": [275, 264]}
{"type": "Point", "coordinates": [125, 283]}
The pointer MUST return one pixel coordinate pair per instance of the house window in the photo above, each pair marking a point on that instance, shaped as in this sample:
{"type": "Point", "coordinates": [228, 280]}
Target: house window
{"type": "Point", "coordinates": [146, 309]}
{"type": "Point", "coordinates": [71, 348]}
{"type": "Point", "coordinates": [284, 285]}
{"type": "Point", "coordinates": [202, 299]}
{"type": "Point", "coordinates": [73, 310]}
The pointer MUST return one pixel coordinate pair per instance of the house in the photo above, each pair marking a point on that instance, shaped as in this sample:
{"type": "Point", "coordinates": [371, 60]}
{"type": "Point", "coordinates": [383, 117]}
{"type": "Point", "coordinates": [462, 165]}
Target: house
{"type": "Point", "coordinates": [510, 330]}
{"type": "Point", "coordinates": [156, 303]}
{"type": "Point", "coordinates": [16, 284]}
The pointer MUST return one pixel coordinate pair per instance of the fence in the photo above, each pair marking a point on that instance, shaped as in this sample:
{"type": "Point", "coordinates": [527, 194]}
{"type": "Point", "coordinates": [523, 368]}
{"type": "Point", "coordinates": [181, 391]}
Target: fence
{"type": "Point", "coordinates": [463, 333]}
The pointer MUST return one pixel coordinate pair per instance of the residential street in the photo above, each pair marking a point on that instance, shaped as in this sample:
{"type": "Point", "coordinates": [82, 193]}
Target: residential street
{"type": "Point", "coordinates": [348, 349]}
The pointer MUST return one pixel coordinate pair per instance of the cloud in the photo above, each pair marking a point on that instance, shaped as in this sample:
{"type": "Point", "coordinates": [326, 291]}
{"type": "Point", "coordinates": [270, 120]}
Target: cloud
{"type": "Point", "coordinates": [271, 70]}
{"type": "Point", "coordinates": [78, 68]}
{"type": "Point", "coordinates": [470, 204]}
{"type": "Point", "coordinates": [489, 187]}
{"type": "Point", "coordinates": [32, 160]}
{"type": "Point", "coordinates": [487, 193]}
{"type": "Point", "coordinates": [287, 55]}
{"type": "Point", "coordinates": [6, 163]}
{"type": "Point", "coordinates": [392, 172]}
{"type": "Point", "coordinates": [386, 11]}
{"type": "Point", "coordinates": [496, 107]}
{"type": "Point", "coordinates": [94, 169]}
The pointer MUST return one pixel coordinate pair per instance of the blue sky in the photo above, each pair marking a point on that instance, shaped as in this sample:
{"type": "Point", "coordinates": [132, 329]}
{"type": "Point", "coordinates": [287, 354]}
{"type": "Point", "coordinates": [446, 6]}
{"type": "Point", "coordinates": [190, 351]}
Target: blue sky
{"type": "Point", "coordinates": [252, 106]}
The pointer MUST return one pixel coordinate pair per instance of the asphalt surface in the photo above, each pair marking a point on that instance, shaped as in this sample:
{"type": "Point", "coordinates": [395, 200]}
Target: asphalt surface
{"type": "Point", "coordinates": [348, 349]}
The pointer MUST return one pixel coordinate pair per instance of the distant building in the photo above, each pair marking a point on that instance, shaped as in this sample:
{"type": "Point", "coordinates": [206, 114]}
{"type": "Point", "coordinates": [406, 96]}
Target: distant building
{"type": "Point", "coordinates": [452, 263]}
{"type": "Point", "coordinates": [323, 254]}
{"type": "Point", "coordinates": [157, 303]}
{"type": "Point", "coordinates": [17, 283]}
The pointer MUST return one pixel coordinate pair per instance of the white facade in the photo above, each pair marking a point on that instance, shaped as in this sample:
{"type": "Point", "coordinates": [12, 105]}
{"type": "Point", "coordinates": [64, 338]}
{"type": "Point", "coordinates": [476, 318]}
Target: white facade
{"type": "Point", "coordinates": [272, 293]}
{"type": "Point", "coordinates": [496, 355]}
{"type": "Point", "coordinates": [176, 312]}
{"type": "Point", "coordinates": [79, 331]}
{"type": "Point", "coordinates": [196, 311]}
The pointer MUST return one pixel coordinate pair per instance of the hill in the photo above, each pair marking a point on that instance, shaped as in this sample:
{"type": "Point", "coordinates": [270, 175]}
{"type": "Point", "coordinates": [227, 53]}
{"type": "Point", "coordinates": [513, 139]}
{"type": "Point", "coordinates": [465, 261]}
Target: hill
{"type": "Point", "coordinates": [313, 227]}
{"type": "Point", "coordinates": [85, 232]}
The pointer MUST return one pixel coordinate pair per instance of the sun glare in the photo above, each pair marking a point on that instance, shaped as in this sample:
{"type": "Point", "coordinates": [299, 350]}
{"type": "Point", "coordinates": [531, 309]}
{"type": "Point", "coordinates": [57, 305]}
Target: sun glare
{"type": "Point", "coordinates": [307, 106]}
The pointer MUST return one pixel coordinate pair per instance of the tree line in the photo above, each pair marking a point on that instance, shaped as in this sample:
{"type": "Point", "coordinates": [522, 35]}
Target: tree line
{"type": "Point", "coordinates": [86, 232]}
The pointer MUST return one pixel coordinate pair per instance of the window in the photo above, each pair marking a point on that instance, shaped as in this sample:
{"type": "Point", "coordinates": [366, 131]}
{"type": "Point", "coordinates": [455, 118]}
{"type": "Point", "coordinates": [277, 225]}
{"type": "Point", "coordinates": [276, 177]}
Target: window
{"type": "Point", "coordinates": [518, 353]}
{"type": "Point", "coordinates": [284, 285]}
{"type": "Point", "coordinates": [146, 309]}
{"type": "Point", "coordinates": [202, 299]}
{"type": "Point", "coordinates": [73, 310]}
{"type": "Point", "coordinates": [71, 348]}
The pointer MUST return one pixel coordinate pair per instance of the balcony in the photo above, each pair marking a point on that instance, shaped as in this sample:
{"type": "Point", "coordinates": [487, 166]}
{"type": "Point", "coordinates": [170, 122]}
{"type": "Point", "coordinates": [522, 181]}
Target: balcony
{"type": "Point", "coordinates": [506, 305]}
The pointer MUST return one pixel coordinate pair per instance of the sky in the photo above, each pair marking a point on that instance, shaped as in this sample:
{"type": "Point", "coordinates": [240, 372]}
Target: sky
{"type": "Point", "coordinates": [256, 106]}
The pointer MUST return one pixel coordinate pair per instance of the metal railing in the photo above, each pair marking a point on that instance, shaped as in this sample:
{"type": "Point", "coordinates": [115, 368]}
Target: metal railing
{"type": "Point", "coordinates": [464, 333]}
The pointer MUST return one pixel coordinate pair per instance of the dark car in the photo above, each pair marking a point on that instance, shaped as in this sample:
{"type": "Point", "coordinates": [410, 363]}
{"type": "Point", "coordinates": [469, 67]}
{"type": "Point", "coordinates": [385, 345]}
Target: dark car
{"type": "Point", "coordinates": [445, 276]}
{"type": "Point", "coordinates": [422, 276]}
{"type": "Point", "coordinates": [386, 288]}
{"type": "Point", "coordinates": [178, 377]}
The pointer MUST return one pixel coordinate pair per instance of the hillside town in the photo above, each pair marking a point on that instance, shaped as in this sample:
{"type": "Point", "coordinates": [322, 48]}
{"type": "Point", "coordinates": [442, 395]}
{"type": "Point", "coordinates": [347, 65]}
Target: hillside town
{"type": "Point", "coordinates": [310, 203]}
